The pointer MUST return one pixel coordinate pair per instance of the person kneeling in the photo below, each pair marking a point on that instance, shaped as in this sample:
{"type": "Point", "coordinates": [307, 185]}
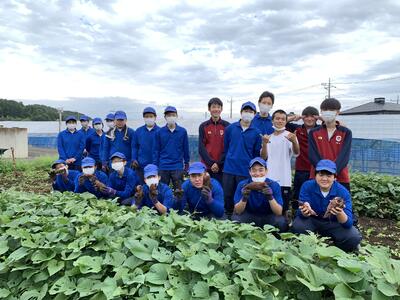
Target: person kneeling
{"type": "Point", "coordinates": [202, 195]}
{"type": "Point", "coordinates": [325, 207]}
{"type": "Point", "coordinates": [258, 199]}
{"type": "Point", "coordinates": [153, 193]}
{"type": "Point", "coordinates": [91, 179]}
{"type": "Point", "coordinates": [122, 179]}
{"type": "Point", "coordinates": [62, 179]}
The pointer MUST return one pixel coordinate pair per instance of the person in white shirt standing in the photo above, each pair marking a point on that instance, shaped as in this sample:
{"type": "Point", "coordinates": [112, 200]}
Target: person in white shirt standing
{"type": "Point", "coordinates": [279, 147]}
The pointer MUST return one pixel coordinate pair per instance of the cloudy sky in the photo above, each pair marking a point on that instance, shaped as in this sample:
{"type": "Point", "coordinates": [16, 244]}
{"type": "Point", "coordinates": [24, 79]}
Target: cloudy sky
{"type": "Point", "coordinates": [96, 55]}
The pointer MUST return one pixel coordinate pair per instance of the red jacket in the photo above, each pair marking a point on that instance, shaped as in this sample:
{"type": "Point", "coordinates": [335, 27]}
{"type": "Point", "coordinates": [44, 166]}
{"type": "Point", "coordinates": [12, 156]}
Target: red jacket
{"type": "Point", "coordinates": [337, 149]}
{"type": "Point", "coordinates": [211, 142]}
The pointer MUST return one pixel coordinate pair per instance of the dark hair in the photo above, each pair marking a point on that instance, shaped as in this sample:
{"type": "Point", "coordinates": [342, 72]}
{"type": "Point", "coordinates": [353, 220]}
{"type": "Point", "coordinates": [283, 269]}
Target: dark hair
{"type": "Point", "coordinates": [330, 104]}
{"type": "Point", "coordinates": [265, 95]}
{"type": "Point", "coordinates": [279, 111]}
{"type": "Point", "coordinates": [215, 101]}
{"type": "Point", "coordinates": [310, 111]}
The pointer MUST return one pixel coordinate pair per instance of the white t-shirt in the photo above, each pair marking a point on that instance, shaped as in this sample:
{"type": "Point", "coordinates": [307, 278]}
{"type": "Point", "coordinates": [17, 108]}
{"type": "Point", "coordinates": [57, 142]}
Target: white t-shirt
{"type": "Point", "coordinates": [280, 152]}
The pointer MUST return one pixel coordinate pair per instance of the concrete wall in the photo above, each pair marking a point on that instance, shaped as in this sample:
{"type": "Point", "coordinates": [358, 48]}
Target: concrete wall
{"type": "Point", "coordinates": [16, 138]}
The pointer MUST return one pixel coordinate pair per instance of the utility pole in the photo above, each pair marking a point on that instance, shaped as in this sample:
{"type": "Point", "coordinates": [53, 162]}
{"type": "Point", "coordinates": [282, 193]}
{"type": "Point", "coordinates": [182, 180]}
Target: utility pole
{"type": "Point", "coordinates": [328, 87]}
{"type": "Point", "coordinates": [60, 111]}
{"type": "Point", "coordinates": [231, 102]}
{"type": "Point", "coordinates": [397, 99]}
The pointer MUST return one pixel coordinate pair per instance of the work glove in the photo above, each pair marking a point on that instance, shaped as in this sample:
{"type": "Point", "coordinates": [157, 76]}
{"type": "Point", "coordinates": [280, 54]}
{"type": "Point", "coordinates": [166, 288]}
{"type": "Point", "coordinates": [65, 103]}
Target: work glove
{"type": "Point", "coordinates": [139, 195]}
{"type": "Point", "coordinates": [178, 192]}
{"type": "Point", "coordinates": [153, 194]}
{"type": "Point", "coordinates": [81, 180]}
{"type": "Point", "coordinates": [267, 192]}
{"type": "Point", "coordinates": [105, 168]}
{"type": "Point", "coordinates": [245, 194]}
{"type": "Point", "coordinates": [134, 164]}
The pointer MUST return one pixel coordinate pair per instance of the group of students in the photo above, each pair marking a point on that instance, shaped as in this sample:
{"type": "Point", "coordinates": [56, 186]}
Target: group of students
{"type": "Point", "coordinates": [245, 171]}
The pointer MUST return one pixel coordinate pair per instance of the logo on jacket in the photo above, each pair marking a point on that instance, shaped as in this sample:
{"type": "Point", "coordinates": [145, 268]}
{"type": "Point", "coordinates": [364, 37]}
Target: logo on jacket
{"type": "Point", "coordinates": [221, 132]}
{"type": "Point", "coordinates": [320, 137]}
{"type": "Point", "coordinates": [338, 138]}
{"type": "Point", "coordinates": [208, 132]}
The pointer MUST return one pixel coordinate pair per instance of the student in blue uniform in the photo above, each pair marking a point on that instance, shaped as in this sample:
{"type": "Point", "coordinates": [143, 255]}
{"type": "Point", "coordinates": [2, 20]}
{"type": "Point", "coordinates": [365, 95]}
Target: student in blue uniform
{"type": "Point", "coordinates": [258, 199]}
{"type": "Point", "coordinates": [242, 143]}
{"type": "Point", "coordinates": [171, 149]}
{"type": "Point", "coordinates": [202, 195]}
{"type": "Point", "coordinates": [91, 179]}
{"type": "Point", "coordinates": [120, 139]}
{"type": "Point", "coordinates": [70, 144]}
{"type": "Point", "coordinates": [145, 136]}
{"type": "Point", "coordinates": [85, 128]}
{"type": "Point", "coordinates": [63, 180]}
{"type": "Point", "coordinates": [315, 213]}
{"type": "Point", "coordinates": [122, 180]}
{"type": "Point", "coordinates": [262, 120]}
{"type": "Point", "coordinates": [93, 142]}
{"type": "Point", "coordinates": [153, 193]}
{"type": "Point", "coordinates": [110, 121]}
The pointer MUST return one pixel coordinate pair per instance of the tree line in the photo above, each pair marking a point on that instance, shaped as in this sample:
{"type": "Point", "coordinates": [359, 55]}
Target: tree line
{"type": "Point", "coordinates": [11, 110]}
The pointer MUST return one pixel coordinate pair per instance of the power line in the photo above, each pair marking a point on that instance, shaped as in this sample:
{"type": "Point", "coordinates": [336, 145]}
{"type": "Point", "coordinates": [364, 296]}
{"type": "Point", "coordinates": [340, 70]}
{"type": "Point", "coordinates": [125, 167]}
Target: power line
{"type": "Point", "coordinates": [369, 81]}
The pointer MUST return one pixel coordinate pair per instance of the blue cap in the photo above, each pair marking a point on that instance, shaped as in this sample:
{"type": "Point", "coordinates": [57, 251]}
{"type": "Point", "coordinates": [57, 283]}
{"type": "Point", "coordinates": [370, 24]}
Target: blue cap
{"type": "Point", "coordinates": [257, 160]}
{"type": "Point", "coordinates": [197, 168]}
{"type": "Point", "coordinates": [250, 105]}
{"type": "Point", "coordinates": [97, 121]}
{"type": "Point", "coordinates": [58, 161]}
{"type": "Point", "coordinates": [170, 109]}
{"type": "Point", "coordinates": [120, 115]}
{"type": "Point", "coordinates": [84, 118]}
{"type": "Point", "coordinates": [118, 154]}
{"type": "Point", "coordinates": [326, 165]}
{"type": "Point", "coordinates": [150, 170]}
{"type": "Point", "coordinates": [110, 116]}
{"type": "Point", "coordinates": [88, 162]}
{"type": "Point", "coordinates": [70, 118]}
{"type": "Point", "coordinates": [149, 110]}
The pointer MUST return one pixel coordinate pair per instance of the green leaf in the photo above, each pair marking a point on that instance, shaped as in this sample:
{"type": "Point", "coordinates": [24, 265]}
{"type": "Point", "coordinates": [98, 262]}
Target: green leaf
{"type": "Point", "coordinates": [17, 255]}
{"type": "Point", "coordinates": [53, 266]}
{"type": "Point", "coordinates": [387, 289]}
{"type": "Point", "coordinates": [141, 249]}
{"type": "Point", "coordinates": [110, 289]}
{"type": "Point", "coordinates": [63, 285]}
{"type": "Point", "coordinates": [89, 264]}
{"type": "Point", "coordinates": [162, 255]}
{"type": "Point", "coordinates": [3, 246]}
{"type": "Point", "coordinates": [4, 293]}
{"type": "Point", "coordinates": [157, 274]}
{"type": "Point", "coordinates": [201, 290]}
{"type": "Point", "coordinates": [42, 255]}
{"type": "Point", "coordinates": [199, 263]}
{"type": "Point", "coordinates": [219, 280]}
{"type": "Point", "coordinates": [351, 265]}
{"type": "Point", "coordinates": [341, 291]}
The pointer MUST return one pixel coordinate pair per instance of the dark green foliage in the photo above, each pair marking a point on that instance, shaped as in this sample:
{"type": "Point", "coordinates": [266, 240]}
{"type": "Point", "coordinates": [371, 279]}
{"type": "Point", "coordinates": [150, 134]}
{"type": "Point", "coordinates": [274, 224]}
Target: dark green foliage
{"type": "Point", "coordinates": [67, 246]}
{"type": "Point", "coordinates": [376, 196]}
{"type": "Point", "coordinates": [11, 110]}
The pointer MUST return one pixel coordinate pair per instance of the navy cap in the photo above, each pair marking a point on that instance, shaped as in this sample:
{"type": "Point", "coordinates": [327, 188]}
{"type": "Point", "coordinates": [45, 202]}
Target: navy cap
{"type": "Point", "coordinates": [58, 161]}
{"type": "Point", "coordinates": [326, 165]}
{"type": "Point", "coordinates": [110, 116]}
{"type": "Point", "coordinates": [150, 170]}
{"type": "Point", "coordinates": [88, 162]}
{"type": "Point", "coordinates": [97, 121]}
{"type": "Point", "coordinates": [70, 118]}
{"type": "Point", "coordinates": [250, 105]}
{"type": "Point", "coordinates": [118, 154]}
{"type": "Point", "coordinates": [170, 109]}
{"type": "Point", "coordinates": [84, 118]}
{"type": "Point", "coordinates": [257, 160]}
{"type": "Point", "coordinates": [149, 110]}
{"type": "Point", "coordinates": [197, 168]}
{"type": "Point", "coordinates": [120, 115]}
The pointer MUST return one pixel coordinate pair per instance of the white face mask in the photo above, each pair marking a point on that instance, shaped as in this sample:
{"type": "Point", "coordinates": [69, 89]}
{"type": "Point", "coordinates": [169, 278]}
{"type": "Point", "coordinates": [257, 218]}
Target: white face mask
{"type": "Point", "coordinates": [247, 116]}
{"type": "Point", "coordinates": [88, 171]}
{"type": "Point", "coordinates": [110, 124]}
{"type": "Point", "coordinates": [171, 120]}
{"type": "Point", "coordinates": [265, 108]}
{"type": "Point", "coordinates": [117, 166]}
{"type": "Point", "coordinates": [328, 116]}
{"type": "Point", "coordinates": [279, 128]}
{"type": "Point", "coordinates": [149, 121]}
{"type": "Point", "coordinates": [71, 126]}
{"type": "Point", "coordinates": [150, 181]}
{"type": "Point", "coordinates": [98, 126]}
{"type": "Point", "coordinates": [258, 179]}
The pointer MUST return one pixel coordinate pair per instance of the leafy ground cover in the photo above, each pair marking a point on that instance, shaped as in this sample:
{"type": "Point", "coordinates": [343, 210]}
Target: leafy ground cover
{"type": "Point", "coordinates": [67, 246]}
